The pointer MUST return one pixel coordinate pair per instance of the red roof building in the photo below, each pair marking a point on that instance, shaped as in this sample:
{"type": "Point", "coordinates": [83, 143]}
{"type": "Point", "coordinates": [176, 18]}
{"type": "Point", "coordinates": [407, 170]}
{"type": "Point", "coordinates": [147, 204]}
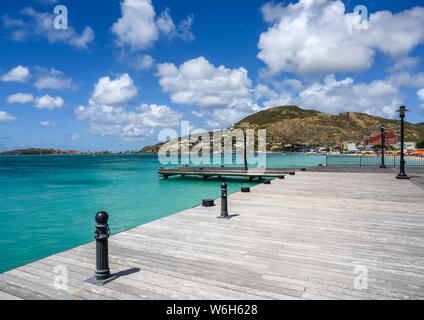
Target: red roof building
{"type": "Point", "coordinates": [375, 138]}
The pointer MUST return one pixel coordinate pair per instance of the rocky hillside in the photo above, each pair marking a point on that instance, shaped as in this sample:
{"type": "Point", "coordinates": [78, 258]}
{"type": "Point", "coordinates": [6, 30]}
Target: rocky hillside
{"type": "Point", "coordinates": [151, 149]}
{"type": "Point", "coordinates": [31, 151]}
{"type": "Point", "coordinates": [293, 125]}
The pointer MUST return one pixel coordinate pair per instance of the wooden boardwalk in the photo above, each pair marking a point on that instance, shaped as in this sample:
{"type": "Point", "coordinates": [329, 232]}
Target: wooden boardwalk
{"type": "Point", "coordinates": [207, 172]}
{"type": "Point", "coordinates": [303, 237]}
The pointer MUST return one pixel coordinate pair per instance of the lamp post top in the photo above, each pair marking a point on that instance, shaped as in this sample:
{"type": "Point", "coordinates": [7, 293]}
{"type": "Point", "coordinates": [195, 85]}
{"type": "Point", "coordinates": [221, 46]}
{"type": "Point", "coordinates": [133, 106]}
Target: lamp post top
{"type": "Point", "coordinates": [402, 110]}
{"type": "Point", "coordinates": [382, 128]}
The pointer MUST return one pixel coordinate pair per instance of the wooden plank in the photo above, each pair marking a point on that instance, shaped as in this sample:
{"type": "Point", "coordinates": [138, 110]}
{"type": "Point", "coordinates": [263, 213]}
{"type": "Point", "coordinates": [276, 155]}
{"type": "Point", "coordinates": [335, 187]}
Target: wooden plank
{"type": "Point", "coordinates": [7, 296]}
{"type": "Point", "coordinates": [293, 239]}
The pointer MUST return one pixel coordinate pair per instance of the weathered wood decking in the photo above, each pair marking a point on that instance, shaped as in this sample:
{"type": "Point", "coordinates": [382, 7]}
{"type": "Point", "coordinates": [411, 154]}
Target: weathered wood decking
{"type": "Point", "coordinates": [298, 238]}
{"type": "Point", "coordinates": [207, 172]}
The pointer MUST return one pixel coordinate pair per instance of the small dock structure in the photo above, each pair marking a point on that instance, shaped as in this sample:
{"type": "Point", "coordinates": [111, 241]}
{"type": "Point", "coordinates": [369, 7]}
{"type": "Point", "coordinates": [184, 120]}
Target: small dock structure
{"type": "Point", "coordinates": [207, 172]}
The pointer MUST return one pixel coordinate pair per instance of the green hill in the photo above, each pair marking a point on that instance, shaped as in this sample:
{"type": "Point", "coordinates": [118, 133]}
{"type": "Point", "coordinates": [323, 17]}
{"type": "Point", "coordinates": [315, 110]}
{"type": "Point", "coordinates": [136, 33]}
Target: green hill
{"type": "Point", "coordinates": [294, 125]}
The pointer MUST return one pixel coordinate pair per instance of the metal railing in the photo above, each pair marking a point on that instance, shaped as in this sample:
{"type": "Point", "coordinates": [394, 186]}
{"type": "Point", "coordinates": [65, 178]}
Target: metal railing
{"type": "Point", "coordinates": [372, 161]}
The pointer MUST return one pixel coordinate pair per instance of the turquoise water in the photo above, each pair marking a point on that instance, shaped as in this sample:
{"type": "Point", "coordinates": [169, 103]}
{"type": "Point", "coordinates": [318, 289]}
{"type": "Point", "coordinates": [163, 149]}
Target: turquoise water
{"type": "Point", "coordinates": [48, 203]}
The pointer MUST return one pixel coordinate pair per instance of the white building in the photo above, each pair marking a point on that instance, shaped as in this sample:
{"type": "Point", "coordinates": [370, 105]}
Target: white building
{"type": "Point", "coordinates": [410, 146]}
{"type": "Point", "coordinates": [351, 146]}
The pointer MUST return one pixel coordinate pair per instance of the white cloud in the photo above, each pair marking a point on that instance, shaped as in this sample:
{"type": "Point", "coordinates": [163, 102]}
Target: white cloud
{"type": "Point", "coordinates": [329, 41]}
{"type": "Point", "coordinates": [138, 27]}
{"type": "Point", "coordinates": [17, 74]}
{"type": "Point", "coordinates": [48, 124]}
{"type": "Point", "coordinates": [52, 79]}
{"type": "Point", "coordinates": [379, 97]}
{"type": "Point", "coordinates": [44, 102]}
{"type": "Point", "coordinates": [9, 22]}
{"type": "Point", "coordinates": [120, 91]}
{"type": "Point", "coordinates": [295, 84]}
{"type": "Point", "coordinates": [198, 82]}
{"type": "Point", "coordinates": [165, 24]}
{"type": "Point", "coordinates": [272, 12]}
{"type": "Point", "coordinates": [143, 62]}
{"type": "Point", "coordinates": [75, 136]}
{"type": "Point", "coordinates": [273, 98]}
{"type": "Point", "coordinates": [197, 114]}
{"type": "Point", "coordinates": [116, 121]}
{"type": "Point", "coordinates": [5, 117]}
{"type": "Point", "coordinates": [107, 115]}
{"type": "Point", "coordinates": [20, 98]}
{"type": "Point", "coordinates": [220, 118]}
{"type": "Point", "coordinates": [40, 24]}
{"type": "Point", "coordinates": [407, 79]}
{"type": "Point", "coordinates": [47, 2]}
{"type": "Point", "coordinates": [420, 94]}
{"type": "Point", "coordinates": [404, 63]}
{"type": "Point", "coordinates": [224, 95]}
{"type": "Point", "coordinates": [48, 102]}
{"type": "Point", "coordinates": [184, 29]}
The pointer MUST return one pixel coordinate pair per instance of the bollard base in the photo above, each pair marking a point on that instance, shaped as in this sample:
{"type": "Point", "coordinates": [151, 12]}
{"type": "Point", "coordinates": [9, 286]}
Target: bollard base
{"type": "Point", "coordinates": [223, 217]}
{"type": "Point", "coordinates": [402, 177]}
{"type": "Point", "coordinates": [100, 283]}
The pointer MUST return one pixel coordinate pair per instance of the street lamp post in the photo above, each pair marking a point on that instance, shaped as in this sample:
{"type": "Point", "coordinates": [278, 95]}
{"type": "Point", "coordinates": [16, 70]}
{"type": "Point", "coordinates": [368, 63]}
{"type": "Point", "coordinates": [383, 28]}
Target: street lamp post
{"type": "Point", "coordinates": [245, 151]}
{"type": "Point", "coordinates": [402, 174]}
{"type": "Point", "coordinates": [382, 129]}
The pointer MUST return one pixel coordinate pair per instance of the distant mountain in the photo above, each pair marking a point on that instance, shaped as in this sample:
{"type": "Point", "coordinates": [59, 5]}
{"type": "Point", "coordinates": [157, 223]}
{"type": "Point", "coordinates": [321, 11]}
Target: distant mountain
{"type": "Point", "coordinates": [293, 125]}
{"type": "Point", "coordinates": [30, 151]}
{"type": "Point", "coordinates": [38, 151]}
{"type": "Point", "coordinates": [51, 151]}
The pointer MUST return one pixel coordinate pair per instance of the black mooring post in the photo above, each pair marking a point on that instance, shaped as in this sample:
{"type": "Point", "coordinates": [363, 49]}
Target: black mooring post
{"type": "Point", "coordinates": [224, 204]}
{"type": "Point", "coordinates": [102, 273]}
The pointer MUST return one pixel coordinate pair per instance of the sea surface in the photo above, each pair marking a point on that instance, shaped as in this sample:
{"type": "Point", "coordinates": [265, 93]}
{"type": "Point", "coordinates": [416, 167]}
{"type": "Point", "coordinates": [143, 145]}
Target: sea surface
{"type": "Point", "coordinates": [48, 203]}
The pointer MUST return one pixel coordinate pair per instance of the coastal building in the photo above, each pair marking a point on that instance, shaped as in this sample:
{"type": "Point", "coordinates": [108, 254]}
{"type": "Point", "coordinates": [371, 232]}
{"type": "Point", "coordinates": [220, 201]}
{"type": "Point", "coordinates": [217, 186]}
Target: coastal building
{"type": "Point", "coordinates": [349, 146]}
{"type": "Point", "coordinates": [408, 146]}
{"type": "Point", "coordinates": [375, 138]}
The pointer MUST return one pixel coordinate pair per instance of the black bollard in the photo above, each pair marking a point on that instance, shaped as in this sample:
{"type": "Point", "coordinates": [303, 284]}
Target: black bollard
{"type": "Point", "coordinates": [224, 205]}
{"type": "Point", "coordinates": [245, 189]}
{"type": "Point", "coordinates": [267, 182]}
{"type": "Point", "coordinates": [102, 273]}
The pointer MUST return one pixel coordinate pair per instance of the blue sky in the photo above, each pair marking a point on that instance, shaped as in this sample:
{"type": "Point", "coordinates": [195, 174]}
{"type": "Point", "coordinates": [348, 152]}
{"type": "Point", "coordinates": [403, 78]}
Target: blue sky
{"type": "Point", "coordinates": [125, 70]}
